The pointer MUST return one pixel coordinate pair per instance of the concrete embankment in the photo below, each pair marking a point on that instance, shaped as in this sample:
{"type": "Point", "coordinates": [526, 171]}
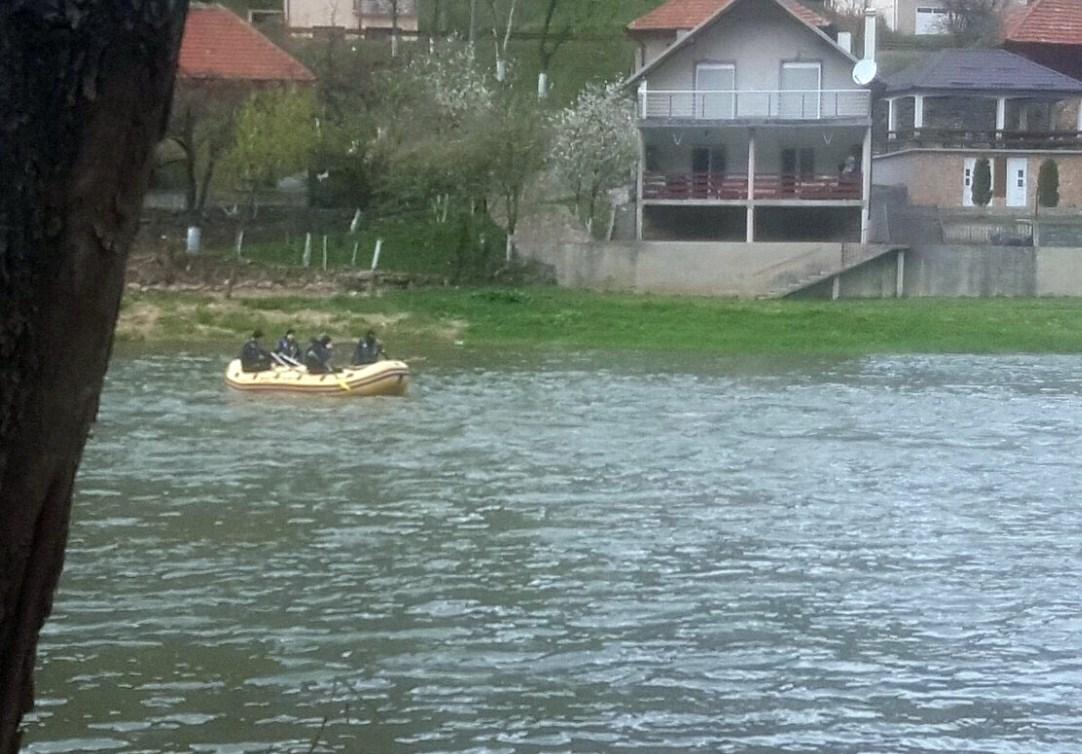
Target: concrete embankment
{"type": "Point", "coordinates": [810, 269]}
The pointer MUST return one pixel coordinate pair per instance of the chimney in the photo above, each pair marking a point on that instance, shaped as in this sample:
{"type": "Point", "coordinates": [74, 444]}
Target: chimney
{"type": "Point", "coordinates": [869, 33]}
{"type": "Point", "coordinates": [845, 41]}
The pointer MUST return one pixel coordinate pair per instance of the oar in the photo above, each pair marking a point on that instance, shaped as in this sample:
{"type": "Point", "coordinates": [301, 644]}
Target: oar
{"type": "Point", "coordinates": [285, 361]}
{"type": "Point", "coordinates": [343, 383]}
{"type": "Point", "coordinates": [289, 361]}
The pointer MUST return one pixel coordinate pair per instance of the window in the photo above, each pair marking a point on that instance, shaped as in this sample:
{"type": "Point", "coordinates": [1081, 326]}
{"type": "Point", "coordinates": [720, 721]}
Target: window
{"type": "Point", "coordinates": [801, 84]}
{"type": "Point", "coordinates": [807, 163]}
{"type": "Point", "coordinates": [708, 160]}
{"type": "Point", "coordinates": [715, 95]}
{"type": "Point", "coordinates": [798, 162]}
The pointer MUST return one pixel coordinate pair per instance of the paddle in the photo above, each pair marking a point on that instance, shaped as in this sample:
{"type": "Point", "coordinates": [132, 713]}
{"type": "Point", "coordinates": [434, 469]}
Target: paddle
{"type": "Point", "coordinates": [343, 383]}
{"type": "Point", "coordinates": [285, 361]}
{"type": "Point", "coordinates": [288, 361]}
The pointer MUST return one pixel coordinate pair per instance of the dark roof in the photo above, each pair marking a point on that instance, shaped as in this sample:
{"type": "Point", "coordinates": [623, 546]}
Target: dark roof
{"type": "Point", "coordinates": [981, 70]}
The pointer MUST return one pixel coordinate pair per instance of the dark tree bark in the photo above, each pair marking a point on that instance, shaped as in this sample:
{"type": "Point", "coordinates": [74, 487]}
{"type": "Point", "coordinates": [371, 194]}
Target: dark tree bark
{"type": "Point", "coordinates": [550, 41]}
{"type": "Point", "coordinates": [85, 87]}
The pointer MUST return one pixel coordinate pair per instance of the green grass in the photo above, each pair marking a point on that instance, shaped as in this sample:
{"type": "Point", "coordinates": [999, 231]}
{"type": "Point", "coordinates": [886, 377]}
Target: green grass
{"type": "Point", "coordinates": [411, 244]}
{"type": "Point", "coordinates": [552, 318]}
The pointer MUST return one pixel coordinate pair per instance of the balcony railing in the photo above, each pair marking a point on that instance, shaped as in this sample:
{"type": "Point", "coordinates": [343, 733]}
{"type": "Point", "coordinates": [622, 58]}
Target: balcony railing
{"type": "Point", "coordinates": [719, 187]}
{"type": "Point", "coordinates": [817, 104]}
{"type": "Point", "coordinates": [981, 139]}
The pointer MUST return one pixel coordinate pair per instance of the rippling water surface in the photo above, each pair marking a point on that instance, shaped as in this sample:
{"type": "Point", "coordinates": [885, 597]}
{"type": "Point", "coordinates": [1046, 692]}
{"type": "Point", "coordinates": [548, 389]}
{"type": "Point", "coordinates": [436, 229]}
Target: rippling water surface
{"type": "Point", "coordinates": [599, 554]}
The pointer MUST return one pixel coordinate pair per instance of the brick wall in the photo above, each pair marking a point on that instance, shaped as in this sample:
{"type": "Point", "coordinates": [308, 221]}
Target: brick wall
{"type": "Point", "coordinates": [934, 178]}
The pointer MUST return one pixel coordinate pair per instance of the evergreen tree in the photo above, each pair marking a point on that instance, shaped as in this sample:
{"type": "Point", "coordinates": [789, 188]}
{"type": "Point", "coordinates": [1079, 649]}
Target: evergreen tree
{"type": "Point", "coordinates": [982, 183]}
{"type": "Point", "coordinates": [1048, 184]}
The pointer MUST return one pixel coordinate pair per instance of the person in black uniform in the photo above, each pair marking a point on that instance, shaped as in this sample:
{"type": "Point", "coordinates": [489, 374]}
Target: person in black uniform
{"type": "Point", "coordinates": [369, 350]}
{"type": "Point", "coordinates": [317, 357]}
{"type": "Point", "coordinates": [288, 346]}
{"type": "Point", "coordinates": [253, 357]}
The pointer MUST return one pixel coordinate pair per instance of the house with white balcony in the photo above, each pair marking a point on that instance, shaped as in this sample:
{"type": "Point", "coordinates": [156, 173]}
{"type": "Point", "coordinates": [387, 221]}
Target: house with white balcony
{"type": "Point", "coordinates": [751, 125]}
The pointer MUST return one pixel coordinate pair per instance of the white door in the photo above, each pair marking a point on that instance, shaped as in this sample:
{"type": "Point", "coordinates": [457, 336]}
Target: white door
{"type": "Point", "coordinates": [967, 181]}
{"type": "Point", "coordinates": [801, 84]}
{"type": "Point", "coordinates": [715, 97]}
{"type": "Point", "coordinates": [1017, 182]}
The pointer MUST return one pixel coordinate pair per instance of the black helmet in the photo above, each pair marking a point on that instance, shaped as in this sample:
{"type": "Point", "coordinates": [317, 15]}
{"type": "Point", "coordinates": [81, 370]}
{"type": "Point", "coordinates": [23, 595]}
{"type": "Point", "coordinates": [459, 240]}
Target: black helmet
{"type": "Point", "coordinates": [257, 333]}
{"type": "Point", "coordinates": [325, 340]}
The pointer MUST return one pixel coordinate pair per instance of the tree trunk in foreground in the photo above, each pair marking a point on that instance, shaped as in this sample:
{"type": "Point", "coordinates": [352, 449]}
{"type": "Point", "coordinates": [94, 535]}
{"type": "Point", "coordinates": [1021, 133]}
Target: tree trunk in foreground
{"type": "Point", "coordinates": [84, 93]}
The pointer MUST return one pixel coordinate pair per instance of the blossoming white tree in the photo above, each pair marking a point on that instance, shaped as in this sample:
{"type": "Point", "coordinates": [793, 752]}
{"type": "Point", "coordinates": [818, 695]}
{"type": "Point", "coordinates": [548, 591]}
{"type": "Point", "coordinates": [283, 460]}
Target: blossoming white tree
{"type": "Point", "coordinates": [594, 146]}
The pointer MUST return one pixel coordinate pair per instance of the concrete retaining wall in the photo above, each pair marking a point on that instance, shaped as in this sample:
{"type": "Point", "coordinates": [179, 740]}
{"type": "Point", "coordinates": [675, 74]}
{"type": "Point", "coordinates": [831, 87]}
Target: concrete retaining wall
{"type": "Point", "coordinates": [693, 268]}
{"type": "Point", "coordinates": [751, 270]}
{"type": "Point", "coordinates": [1059, 272]}
{"type": "Point", "coordinates": [956, 271]}
{"type": "Point", "coordinates": [971, 271]}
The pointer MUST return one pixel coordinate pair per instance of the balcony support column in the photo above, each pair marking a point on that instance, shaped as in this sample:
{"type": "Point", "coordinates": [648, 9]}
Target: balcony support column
{"type": "Point", "coordinates": [892, 118]}
{"type": "Point", "coordinates": [751, 186]}
{"type": "Point", "coordinates": [866, 187]}
{"type": "Point", "coordinates": [1001, 117]}
{"type": "Point", "coordinates": [918, 112]}
{"type": "Point", "coordinates": [1078, 125]}
{"type": "Point", "coordinates": [639, 185]}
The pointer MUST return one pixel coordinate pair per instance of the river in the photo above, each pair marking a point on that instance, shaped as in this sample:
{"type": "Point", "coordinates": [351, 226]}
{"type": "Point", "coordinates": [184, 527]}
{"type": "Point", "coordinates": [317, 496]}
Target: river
{"type": "Point", "coordinates": [600, 553]}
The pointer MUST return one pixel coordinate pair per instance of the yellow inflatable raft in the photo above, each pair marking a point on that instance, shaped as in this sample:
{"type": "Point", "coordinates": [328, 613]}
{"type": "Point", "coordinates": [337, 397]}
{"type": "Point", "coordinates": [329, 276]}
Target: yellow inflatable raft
{"type": "Point", "coordinates": [381, 378]}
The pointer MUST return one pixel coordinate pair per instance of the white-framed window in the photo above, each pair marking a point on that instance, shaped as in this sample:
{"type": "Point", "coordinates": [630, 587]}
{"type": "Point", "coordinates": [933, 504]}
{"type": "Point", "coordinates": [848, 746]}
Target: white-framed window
{"type": "Point", "coordinates": [715, 90]}
{"type": "Point", "coordinates": [801, 85]}
{"type": "Point", "coordinates": [932, 20]}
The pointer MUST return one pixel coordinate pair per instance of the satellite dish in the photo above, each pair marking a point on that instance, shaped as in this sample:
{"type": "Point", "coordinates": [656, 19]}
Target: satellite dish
{"type": "Point", "coordinates": [864, 72]}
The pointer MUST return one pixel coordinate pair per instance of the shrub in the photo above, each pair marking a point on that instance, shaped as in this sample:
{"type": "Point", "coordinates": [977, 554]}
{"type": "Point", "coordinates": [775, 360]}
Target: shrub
{"type": "Point", "coordinates": [982, 182]}
{"type": "Point", "coordinates": [1048, 184]}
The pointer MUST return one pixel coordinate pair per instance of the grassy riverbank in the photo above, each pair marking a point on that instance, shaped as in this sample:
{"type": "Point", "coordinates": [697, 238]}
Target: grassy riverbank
{"type": "Point", "coordinates": [549, 317]}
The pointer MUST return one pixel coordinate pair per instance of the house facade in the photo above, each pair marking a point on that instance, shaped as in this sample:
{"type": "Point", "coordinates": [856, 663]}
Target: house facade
{"type": "Point", "coordinates": [364, 16]}
{"type": "Point", "coordinates": [750, 124]}
{"type": "Point", "coordinates": [915, 17]}
{"type": "Point", "coordinates": [939, 117]}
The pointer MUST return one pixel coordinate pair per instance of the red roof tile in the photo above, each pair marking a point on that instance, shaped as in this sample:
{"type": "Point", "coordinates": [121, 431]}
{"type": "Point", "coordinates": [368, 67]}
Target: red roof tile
{"type": "Point", "coordinates": [218, 44]}
{"type": "Point", "coordinates": [1057, 22]}
{"type": "Point", "coordinates": [687, 14]}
